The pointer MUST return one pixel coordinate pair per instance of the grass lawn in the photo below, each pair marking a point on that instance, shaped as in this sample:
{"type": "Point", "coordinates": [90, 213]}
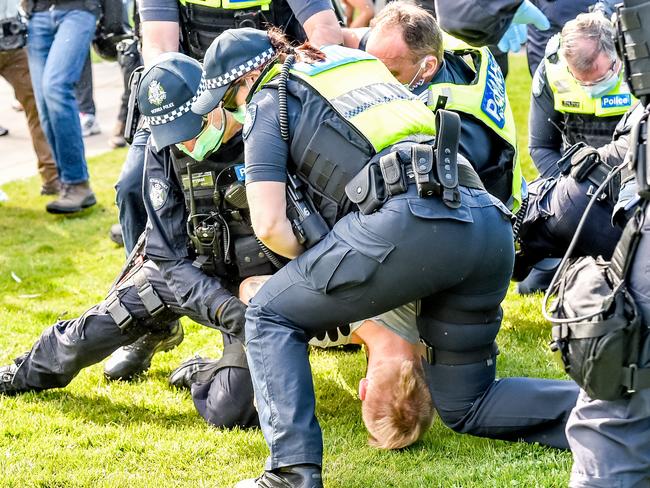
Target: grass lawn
{"type": "Point", "coordinates": [144, 434]}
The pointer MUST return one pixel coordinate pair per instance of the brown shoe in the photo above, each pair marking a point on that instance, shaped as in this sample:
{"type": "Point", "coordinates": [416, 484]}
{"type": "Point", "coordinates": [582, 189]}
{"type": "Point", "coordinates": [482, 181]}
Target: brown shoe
{"type": "Point", "coordinates": [72, 199]}
{"type": "Point", "coordinates": [51, 188]}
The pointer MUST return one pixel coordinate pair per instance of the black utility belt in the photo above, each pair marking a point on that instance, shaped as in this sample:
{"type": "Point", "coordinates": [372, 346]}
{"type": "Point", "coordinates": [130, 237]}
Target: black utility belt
{"type": "Point", "coordinates": [453, 358]}
{"type": "Point", "coordinates": [390, 176]}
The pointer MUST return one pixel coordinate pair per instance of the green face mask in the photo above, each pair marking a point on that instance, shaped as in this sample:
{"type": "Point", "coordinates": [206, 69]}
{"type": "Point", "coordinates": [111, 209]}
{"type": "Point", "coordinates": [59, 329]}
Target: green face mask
{"type": "Point", "coordinates": [240, 114]}
{"type": "Point", "coordinates": [206, 143]}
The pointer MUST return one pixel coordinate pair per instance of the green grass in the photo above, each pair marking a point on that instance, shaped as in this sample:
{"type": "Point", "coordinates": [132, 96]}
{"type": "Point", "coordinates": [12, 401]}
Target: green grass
{"type": "Point", "coordinates": [144, 434]}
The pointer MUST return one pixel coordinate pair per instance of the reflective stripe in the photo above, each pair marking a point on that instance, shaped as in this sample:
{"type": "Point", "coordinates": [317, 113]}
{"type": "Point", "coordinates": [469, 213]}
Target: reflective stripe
{"type": "Point", "coordinates": [485, 98]}
{"type": "Point", "coordinates": [357, 101]}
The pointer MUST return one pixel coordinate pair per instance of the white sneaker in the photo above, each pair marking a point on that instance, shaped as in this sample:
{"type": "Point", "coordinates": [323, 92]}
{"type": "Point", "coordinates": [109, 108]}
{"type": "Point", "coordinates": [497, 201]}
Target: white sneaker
{"type": "Point", "coordinates": [89, 125]}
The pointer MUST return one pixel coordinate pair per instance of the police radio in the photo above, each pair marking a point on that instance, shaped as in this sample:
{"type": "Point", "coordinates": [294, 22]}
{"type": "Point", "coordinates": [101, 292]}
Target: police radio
{"type": "Point", "coordinates": [308, 225]}
{"type": "Point", "coordinates": [133, 112]}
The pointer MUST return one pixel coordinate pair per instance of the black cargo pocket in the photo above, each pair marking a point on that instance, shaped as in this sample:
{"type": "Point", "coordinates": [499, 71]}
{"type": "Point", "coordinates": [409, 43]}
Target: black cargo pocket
{"type": "Point", "coordinates": [431, 209]}
{"type": "Point", "coordinates": [340, 267]}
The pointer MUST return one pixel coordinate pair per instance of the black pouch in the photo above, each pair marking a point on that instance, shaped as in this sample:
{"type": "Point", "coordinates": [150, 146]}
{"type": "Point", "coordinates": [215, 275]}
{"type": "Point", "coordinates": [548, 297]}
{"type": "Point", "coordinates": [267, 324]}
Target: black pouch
{"type": "Point", "coordinates": [366, 189]}
{"type": "Point", "coordinates": [250, 259]}
{"type": "Point", "coordinates": [597, 326]}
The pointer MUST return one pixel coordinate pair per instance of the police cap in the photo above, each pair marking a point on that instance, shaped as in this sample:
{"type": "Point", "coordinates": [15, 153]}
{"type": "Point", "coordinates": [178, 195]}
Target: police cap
{"type": "Point", "coordinates": [165, 96]}
{"type": "Point", "coordinates": [230, 56]}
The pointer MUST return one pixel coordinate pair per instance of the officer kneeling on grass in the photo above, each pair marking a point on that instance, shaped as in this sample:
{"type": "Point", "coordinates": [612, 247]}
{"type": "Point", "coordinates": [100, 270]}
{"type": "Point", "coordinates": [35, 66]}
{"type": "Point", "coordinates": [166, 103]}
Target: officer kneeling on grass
{"type": "Point", "coordinates": [199, 246]}
{"type": "Point", "coordinates": [425, 229]}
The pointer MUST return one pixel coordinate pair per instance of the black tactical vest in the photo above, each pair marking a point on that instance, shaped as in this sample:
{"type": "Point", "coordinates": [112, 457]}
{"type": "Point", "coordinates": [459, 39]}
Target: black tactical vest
{"type": "Point", "coordinates": [592, 130]}
{"type": "Point", "coordinates": [200, 25]}
{"type": "Point", "coordinates": [220, 234]}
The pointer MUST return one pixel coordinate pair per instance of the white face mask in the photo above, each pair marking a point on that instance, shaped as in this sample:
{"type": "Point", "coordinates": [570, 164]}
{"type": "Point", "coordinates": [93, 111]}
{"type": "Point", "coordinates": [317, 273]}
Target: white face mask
{"type": "Point", "coordinates": [412, 85]}
{"type": "Point", "coordinates": [605, 85]}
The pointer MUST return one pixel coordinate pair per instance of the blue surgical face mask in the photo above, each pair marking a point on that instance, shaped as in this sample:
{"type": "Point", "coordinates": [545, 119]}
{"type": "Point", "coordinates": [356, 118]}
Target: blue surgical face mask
{"type": "Point", "coordinates": [602, 87]}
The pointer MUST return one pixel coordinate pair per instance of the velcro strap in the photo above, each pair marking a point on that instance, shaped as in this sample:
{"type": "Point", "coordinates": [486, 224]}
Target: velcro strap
{"type": "Point", "coordinates": [624, 251]}
{"type": "Point", "coordinates": [233, 356]}
{"type": "Point", "coordinates": [366, 189]}
{"type": "Point", "coordinates": [635, 378]}
{"type": "Point", "coordinates": [147, 294]}
{"type": "Point", "coordinates": [118, 312]}
{"type": "Point", "coordinates": [588, 330]}
{"type": "Point", "coordinates": [453, 358]}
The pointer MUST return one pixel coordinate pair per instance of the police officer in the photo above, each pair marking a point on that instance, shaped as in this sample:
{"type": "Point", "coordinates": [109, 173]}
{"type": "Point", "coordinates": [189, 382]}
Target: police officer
{"type": "Point", "coordinates": [579, 96]}
{"type": "Point", "coordinates": [188, 269]}
{"type": "Point", "coordinates": [340, 148]}
{"type": "Point", "coordinates": [556, 205]}
{"type": "Point", "coordinates": [165, 27]}
{"type": "Point", "coordinates": [579, 92]}
{"type": "Point", "coordinates": [408, 40]}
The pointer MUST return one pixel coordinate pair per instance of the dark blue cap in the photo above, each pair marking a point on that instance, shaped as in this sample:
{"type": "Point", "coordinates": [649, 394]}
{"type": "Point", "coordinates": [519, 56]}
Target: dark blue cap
{"type": "Point", "coordinates": [165, 96]}
{"type": "Point", "coordinates": [230, 56]}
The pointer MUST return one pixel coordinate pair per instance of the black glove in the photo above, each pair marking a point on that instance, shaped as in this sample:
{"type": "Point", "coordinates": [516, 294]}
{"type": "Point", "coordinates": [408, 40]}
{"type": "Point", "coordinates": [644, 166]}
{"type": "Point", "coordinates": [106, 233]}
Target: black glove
{"type": "Point", "coordinates": [230, 317]}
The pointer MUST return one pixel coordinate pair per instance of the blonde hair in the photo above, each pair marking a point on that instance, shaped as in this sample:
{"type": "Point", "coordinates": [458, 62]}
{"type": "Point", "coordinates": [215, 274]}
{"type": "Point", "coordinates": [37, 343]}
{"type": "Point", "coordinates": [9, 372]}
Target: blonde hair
{"type": "Point", "coordinates": [398, 409]}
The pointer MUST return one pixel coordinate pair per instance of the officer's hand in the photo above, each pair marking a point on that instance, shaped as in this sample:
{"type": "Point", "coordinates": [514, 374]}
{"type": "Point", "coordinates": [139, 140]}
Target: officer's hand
{"type": "Point", "coordinates": [231, 317]}
{"type": "Point", "coordinates": [517, 33]}
{"type": "Point", "coordinates": [527, 13]}
{"type": "Point", "coordinates": [513, 39]}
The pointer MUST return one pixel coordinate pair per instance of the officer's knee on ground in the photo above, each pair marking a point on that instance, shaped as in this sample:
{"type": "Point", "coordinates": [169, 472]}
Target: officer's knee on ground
{"type": "Point", "coordinates": [397, 408]}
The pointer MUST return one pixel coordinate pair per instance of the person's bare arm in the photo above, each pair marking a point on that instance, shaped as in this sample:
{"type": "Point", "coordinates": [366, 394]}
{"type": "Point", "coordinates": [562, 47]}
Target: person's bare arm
{"type": "Point", "coordinates": [364, 10]}
{"type": "Point", "coordinates": [158, 37]}
{"type": "Point", "coordinates": [352, 37]}
{"type": "Point", "coordinates": [268, 207]}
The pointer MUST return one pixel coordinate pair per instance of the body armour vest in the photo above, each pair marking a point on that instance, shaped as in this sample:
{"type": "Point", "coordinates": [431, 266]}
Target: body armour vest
{"type": "Point", "coordinates": [221, 236]}
{"type": "Point", "coordinates": [202, 21]}
{"type": "Point", "coordinates": [485, 99]}
{"type": "Point", "coordinates": [356, 109]}
{"type": "Point", "coordinates": [586, 119]}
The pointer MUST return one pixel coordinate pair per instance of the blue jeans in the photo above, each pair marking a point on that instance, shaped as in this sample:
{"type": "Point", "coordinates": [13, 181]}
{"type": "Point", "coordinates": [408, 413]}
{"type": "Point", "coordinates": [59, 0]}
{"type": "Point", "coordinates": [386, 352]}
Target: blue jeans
{"type": "Point", "coordinates": [133, 215]}
{"type": "Point", "coordinates": [58, 46]}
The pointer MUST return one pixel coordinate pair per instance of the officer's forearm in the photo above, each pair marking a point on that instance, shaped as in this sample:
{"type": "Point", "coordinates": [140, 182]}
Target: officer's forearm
{"type": "Point", "coordinates": [268, 207]}
{"type": "Point", "coordinates": [158, 37]}
{"type": "Point", "coordinates": [278, 236]}
{"type": "Point", "coordinates": [199, 294]}
{"type": "Point", "coordinates": [323, 28]}
{"type": "Point", "coordinates": [545, 159]}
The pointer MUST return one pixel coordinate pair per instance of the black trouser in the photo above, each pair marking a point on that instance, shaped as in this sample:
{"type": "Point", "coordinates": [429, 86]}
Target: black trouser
{"type": "Point", "coordinates": [68, 346]}
{"type": "Point", "coordinates": [554, 210]}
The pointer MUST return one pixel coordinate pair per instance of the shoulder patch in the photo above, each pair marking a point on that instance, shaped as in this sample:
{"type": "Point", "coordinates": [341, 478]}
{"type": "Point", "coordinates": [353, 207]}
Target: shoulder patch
{"type": "Point", "coordinates": [553, 45]}
{"type": "Point", "coordinates": [158, 192]}
{"type": "Point", "coordinates": [249, 121]}
{"type": "Point", "coordinates": [538, 83]}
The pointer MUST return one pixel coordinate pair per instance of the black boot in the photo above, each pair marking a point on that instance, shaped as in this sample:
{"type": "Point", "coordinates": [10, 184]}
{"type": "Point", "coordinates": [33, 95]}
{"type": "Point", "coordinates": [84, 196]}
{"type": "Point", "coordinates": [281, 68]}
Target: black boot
{"type": "Point", "coordinates": [7, 386]}
{"type": "Point", "coordinates": [134, 359]}
{"type": "Point", "coordinates": [194, 370]}
{"type": "Point", "coordinates": [298, 476]}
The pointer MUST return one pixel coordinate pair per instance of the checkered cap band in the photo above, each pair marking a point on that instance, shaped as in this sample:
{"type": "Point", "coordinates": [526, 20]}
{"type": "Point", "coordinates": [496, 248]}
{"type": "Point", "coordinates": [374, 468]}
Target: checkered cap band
{"type": "Point", "coordinates": [174, 114]}
{"type": "Point", "coordinates": [237, 72]}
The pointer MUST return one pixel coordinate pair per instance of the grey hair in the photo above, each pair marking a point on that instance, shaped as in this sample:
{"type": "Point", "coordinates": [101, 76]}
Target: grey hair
{"type": "Point", "coordinates": [592, 26]}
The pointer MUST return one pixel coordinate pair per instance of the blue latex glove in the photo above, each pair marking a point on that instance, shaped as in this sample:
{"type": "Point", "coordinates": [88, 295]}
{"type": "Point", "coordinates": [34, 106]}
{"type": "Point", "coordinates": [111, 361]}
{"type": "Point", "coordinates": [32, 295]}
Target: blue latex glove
{"type": "Point", "coordinates": [517, 34]}
{"type": "Point", "coordinates": [513, 39]}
